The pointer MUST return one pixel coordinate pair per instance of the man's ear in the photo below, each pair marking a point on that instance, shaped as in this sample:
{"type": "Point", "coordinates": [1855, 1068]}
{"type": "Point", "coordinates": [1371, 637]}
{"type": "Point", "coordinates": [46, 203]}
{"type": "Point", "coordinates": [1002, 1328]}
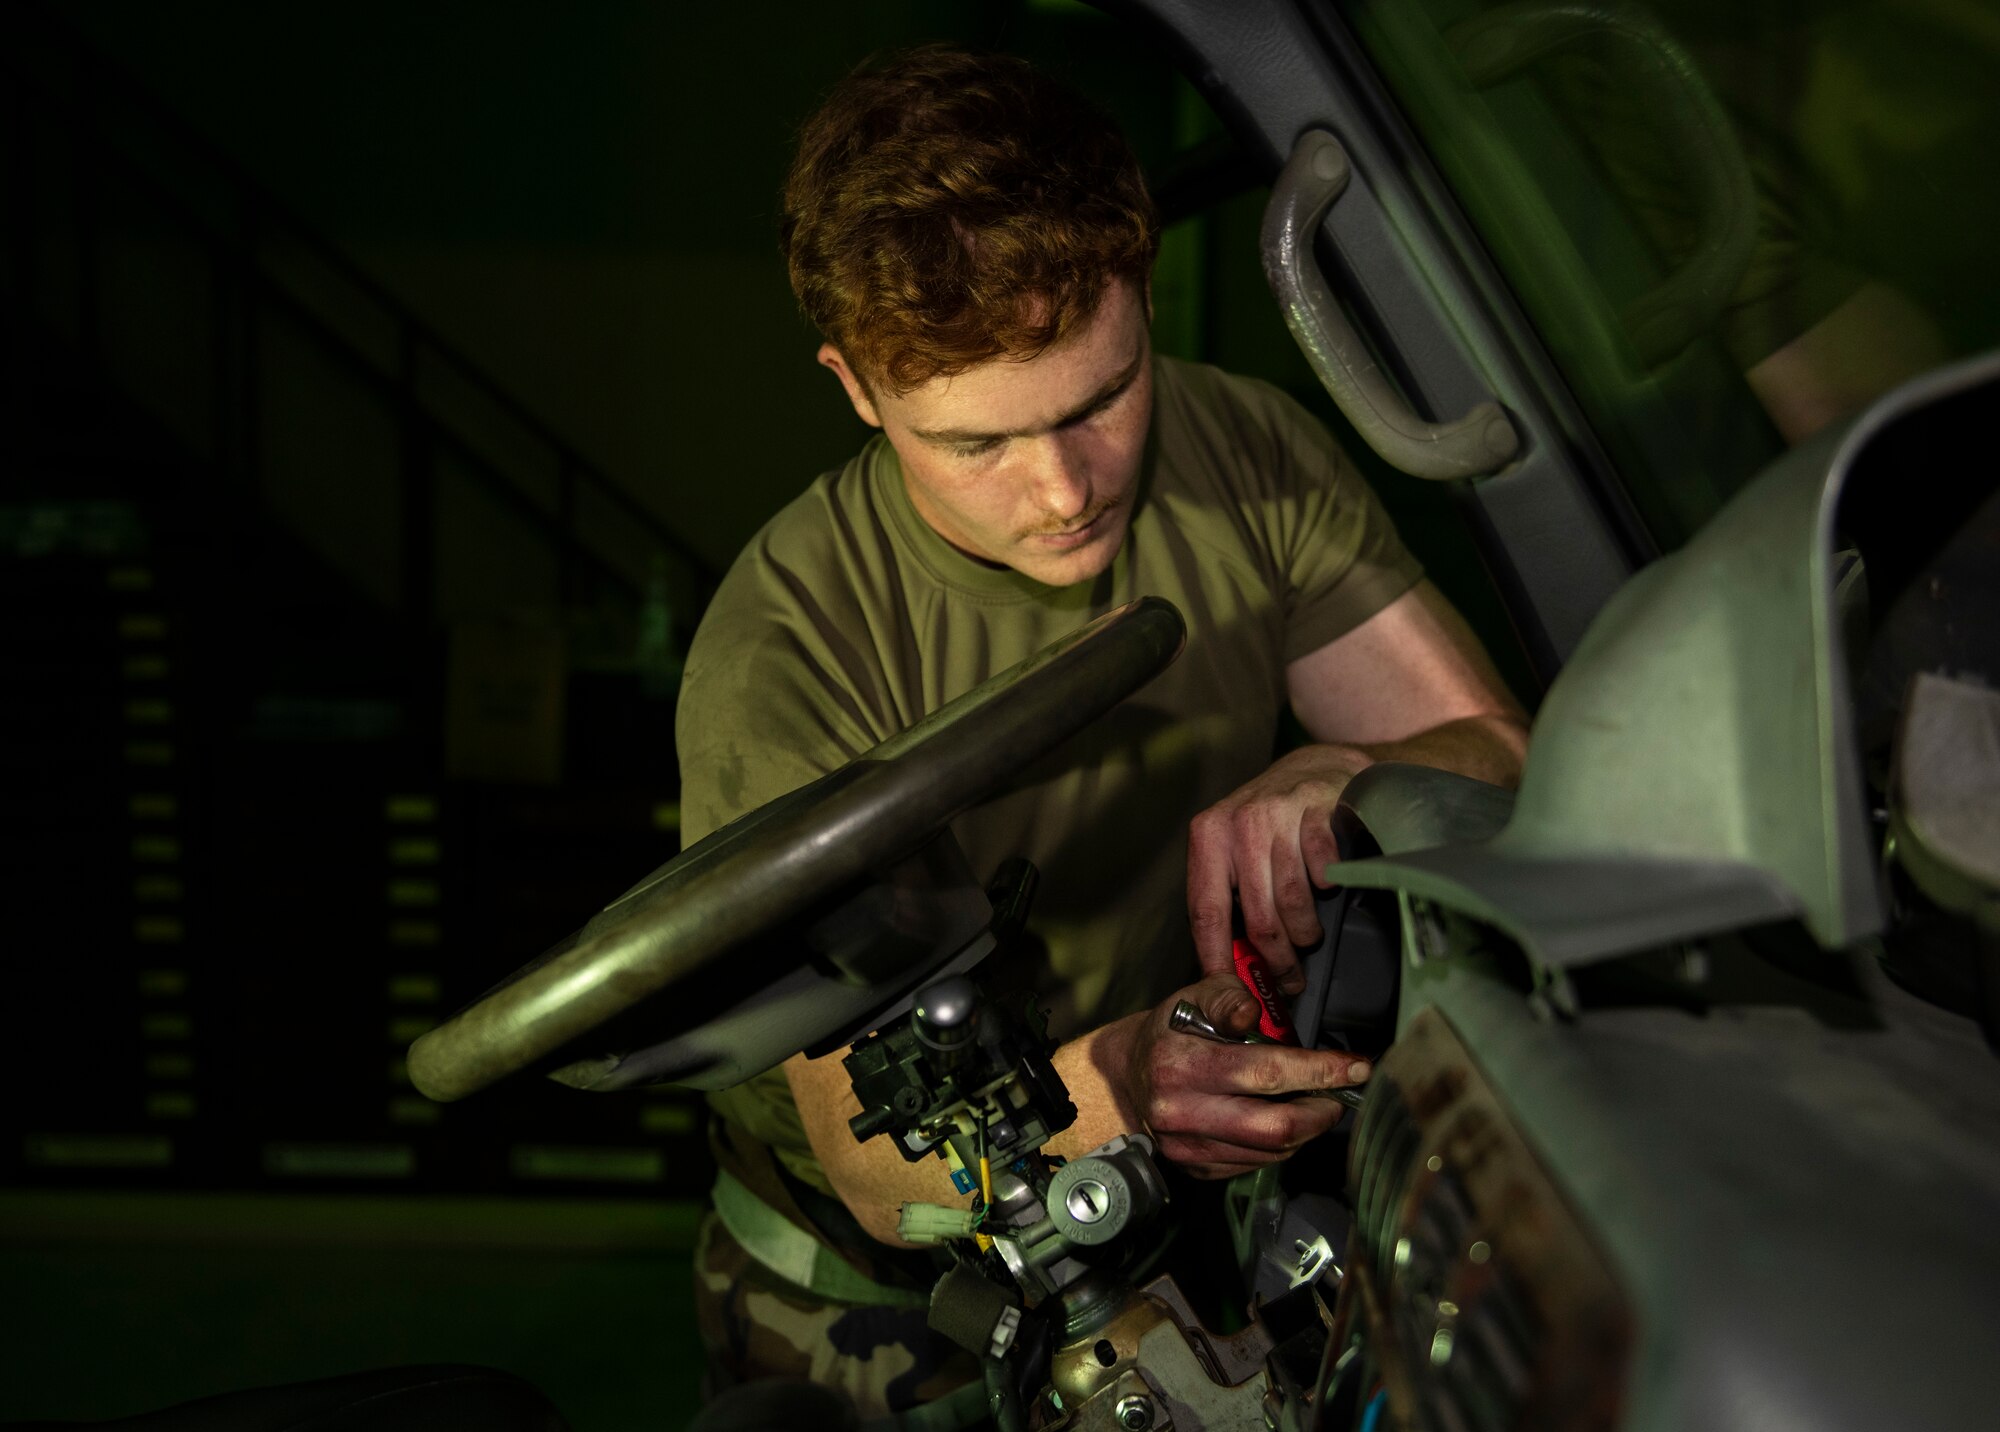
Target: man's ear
{"type": "Point", "coordinates": [857, 391]}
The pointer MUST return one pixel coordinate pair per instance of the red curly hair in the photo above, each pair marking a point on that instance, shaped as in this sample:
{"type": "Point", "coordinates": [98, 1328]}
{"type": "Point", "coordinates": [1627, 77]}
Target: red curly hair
{"type": "Point", "coordinates": [946, 208]}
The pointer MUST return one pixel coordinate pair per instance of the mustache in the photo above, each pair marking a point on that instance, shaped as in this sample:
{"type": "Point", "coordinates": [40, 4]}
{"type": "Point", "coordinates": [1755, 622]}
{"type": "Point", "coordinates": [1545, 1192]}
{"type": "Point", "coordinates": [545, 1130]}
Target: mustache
{"type": "Point", "coordinates": [1075, 524]}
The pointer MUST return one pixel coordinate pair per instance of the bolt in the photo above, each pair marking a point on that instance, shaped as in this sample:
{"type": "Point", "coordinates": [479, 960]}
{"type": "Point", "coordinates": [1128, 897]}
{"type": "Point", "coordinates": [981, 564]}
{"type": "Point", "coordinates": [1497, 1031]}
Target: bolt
{"type": "Point", "coordinates": [1134, 1413]}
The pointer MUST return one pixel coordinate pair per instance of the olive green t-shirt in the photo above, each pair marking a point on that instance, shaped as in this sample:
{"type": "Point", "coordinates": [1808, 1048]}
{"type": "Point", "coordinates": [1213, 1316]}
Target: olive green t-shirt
{"type": "Point", "coordinates": [847, 619]}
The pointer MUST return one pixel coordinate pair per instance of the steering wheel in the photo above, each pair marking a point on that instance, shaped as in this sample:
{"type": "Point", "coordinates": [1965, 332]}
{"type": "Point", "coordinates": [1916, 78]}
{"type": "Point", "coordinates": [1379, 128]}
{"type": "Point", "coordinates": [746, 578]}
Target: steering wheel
{"type": "Point", "coordinates": [659, 958]}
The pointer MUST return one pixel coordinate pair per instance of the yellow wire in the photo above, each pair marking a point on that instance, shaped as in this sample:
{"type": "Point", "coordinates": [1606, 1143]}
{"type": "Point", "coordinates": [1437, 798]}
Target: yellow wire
{"type": "Point", "coordinates": [986, 1197]}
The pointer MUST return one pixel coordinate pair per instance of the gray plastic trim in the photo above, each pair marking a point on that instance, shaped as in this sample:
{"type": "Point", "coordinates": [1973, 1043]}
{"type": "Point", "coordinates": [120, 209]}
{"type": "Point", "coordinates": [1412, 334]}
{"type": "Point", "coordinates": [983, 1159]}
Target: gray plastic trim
{"type": "Point", "coordinates": [1694, 769]}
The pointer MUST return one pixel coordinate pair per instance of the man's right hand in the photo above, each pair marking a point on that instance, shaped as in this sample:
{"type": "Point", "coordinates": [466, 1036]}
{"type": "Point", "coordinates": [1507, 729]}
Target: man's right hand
{"type": "Point", "coordinates": [1212, 1107]}
{"type": "Point", "coordinates": [1216, 1109]}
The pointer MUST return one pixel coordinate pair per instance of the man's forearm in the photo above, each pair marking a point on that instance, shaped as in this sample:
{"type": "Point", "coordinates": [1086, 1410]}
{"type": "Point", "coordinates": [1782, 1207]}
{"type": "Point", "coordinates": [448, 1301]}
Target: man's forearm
{"type": "Point", "coordinates": [1487, 748]}
{"type": "Point", "coordinates": [1094, 1067]}
{"type": "Point", "coordinates": [874, 1180]}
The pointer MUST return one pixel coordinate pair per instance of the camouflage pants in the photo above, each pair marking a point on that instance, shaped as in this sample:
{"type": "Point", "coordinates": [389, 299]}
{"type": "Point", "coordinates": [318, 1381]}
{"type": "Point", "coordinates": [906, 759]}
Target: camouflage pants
{"type": "Point", "coordinates": [754, 1325]}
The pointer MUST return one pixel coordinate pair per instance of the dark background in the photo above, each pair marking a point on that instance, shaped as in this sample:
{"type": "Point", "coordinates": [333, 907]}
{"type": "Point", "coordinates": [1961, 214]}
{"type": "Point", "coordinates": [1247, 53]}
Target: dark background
{"type": "Point", "coordinates": [386, 385]}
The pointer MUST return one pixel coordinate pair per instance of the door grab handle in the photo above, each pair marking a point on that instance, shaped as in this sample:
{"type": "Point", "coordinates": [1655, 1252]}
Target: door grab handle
{"type": "Point", "coordinates": [1480, 442]}
{"type": "Point", "coordinates": [1500, 44]}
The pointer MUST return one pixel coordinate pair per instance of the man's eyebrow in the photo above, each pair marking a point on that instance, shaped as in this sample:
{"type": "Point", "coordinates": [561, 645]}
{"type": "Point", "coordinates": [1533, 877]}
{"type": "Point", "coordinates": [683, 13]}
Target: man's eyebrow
{"type": "Point", "coordinates": [1103, 395]}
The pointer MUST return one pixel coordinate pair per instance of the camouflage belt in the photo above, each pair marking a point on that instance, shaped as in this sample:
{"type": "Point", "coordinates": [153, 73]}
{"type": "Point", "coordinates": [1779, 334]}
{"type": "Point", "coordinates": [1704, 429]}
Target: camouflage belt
{"type": "Point", "coordinates": [796, 1256]}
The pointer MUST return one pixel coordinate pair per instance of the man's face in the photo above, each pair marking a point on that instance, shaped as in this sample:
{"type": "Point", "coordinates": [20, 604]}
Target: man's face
{"type": "Point", "coordinates": [1031, 464]}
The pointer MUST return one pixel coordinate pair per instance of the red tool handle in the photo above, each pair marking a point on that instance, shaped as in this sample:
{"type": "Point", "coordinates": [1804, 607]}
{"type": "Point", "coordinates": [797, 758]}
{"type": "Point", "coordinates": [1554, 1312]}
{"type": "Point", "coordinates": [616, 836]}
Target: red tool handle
{"type": "Point", "coordinates": [1273, 1020]}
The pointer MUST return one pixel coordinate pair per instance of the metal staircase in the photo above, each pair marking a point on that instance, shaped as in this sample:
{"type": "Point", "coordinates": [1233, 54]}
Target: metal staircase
{"type": "Point", "coordinates": [246, 497]}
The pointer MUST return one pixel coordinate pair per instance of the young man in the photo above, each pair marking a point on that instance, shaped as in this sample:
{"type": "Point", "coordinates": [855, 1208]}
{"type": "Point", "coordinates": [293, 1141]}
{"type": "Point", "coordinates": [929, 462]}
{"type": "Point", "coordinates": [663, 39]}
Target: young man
{"type": "Point", "coordinates": [974, 243]}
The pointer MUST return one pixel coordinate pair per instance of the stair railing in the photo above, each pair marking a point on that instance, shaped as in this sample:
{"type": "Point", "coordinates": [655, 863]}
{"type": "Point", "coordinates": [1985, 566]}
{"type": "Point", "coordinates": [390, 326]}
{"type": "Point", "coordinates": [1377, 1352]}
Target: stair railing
{"type": "Point", "coordinates": [82, 136]}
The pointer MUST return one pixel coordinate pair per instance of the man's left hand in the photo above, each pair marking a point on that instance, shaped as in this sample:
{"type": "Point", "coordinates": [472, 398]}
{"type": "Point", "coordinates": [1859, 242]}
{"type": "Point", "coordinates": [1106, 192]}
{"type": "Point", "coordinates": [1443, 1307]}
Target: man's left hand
{"type": "Point", "coordinates": [1409, 684]}
{"type": "Point", "coordinates": [1266, 847]}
